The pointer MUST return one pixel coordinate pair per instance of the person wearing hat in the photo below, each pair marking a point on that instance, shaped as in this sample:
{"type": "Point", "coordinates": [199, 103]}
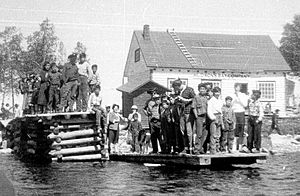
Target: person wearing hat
{"type": "Point", "coordinates": [256, 113]}
{"type": "Point", "coordinates": [70, 77]}
{"type": "Point", "coordinates": [134, 110]}
{"type": "Point", "coordinates": [153, 112]}
{"type": "Point", "coordinates": [228, 126]}
{"type": "Point", "coordinates": [185, 96]}
{"type": "Point", "coordinates": [54, 88]}
{"type": "Point", "coordinates": [199, 107]}
{"type": "Point", "coordinates": [83, 87]}
{"type": "Point", "coordinates": [214, 112]}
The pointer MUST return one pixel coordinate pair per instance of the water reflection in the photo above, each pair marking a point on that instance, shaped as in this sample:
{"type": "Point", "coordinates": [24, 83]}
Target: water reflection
{"type": "Point", "coordinates": [278, 175]}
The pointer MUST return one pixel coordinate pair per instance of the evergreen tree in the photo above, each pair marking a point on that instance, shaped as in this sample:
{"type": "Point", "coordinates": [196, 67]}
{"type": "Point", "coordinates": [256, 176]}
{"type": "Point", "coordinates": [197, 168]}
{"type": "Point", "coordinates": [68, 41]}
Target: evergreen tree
{"type": "Point", "coordinates": [290, 43]}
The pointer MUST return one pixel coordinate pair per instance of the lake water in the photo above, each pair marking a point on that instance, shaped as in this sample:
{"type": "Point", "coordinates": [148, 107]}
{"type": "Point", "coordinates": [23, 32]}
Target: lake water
{"type": "Point", "coordinates": [279, 176]}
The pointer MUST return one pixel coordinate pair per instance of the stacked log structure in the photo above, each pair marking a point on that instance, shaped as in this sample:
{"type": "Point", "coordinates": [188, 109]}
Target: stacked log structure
{"type": "Point", "coordinates": [57, 137]}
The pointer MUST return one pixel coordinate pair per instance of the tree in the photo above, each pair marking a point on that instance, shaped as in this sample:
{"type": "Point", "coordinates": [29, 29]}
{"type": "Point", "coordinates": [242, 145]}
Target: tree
{"type": "Point", "coordinates": [80, 48]}
{"type": "Point", "coordinates": [11, 61]}
{"type": "Point", "coordinates": [290, 44]}
{"type": "Point", "coordinates": [43, 46]}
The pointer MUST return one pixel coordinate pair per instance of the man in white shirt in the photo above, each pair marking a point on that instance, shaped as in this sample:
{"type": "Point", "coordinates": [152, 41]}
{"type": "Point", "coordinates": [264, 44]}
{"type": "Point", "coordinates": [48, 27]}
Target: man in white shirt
{"type": "Point", "coordinates": [239, 103]}
{"type": "Point", "coordinates": [83, 88]}
{"type": "Point", "coordinates": [214, 112]}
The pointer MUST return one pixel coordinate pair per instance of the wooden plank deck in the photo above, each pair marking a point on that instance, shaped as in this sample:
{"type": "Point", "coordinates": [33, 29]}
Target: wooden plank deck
{"type": "Point", "coordinates": [192, 160]}
{"type": "Point", "coordinates": [58, 114]}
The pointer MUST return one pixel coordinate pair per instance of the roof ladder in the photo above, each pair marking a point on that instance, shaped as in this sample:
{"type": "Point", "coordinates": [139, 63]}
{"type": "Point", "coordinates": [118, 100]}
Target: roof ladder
{"type": "Point", "coordinates": [183, 49]}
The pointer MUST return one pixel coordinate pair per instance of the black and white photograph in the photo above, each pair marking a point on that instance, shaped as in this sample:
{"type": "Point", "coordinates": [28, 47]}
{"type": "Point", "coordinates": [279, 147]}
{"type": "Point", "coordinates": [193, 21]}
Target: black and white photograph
{"type": "Point", "coordinates": [149, 97]}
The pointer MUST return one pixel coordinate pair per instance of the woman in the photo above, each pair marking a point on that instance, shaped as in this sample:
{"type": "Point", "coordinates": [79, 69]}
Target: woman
{"type": "Point", "coordinates": [114, 119]}
{"type": "Point", "coordinates": [43, 91]}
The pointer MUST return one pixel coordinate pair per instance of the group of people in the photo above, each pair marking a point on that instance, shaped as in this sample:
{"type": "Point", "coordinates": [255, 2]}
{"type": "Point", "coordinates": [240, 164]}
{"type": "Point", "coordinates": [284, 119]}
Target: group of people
{"type": "Point", "coordinates": [189, 123]}
{"type": "Point", "coordinates": [57, 88]}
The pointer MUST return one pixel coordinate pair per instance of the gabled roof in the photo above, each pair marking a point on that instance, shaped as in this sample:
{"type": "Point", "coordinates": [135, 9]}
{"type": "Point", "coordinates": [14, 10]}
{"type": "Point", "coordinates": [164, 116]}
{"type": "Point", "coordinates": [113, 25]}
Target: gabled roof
{"type": "Point", "coordinates": [134, 85]}
{"type": "Point", "coordinates": [212, 52]}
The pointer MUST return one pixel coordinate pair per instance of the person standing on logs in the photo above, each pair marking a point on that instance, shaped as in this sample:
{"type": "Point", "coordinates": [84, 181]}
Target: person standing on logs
{"type": "Point", "coordinates": [239, 103]}
{"type": "Point", "coordinates": [43, 92]}
{"type": "Point", "coordinates": [54, 89]}
{"type": "Point", "coordinates": [70, 83]}
{"type": "Point", "coordinates": [83, 88]}
{"type": "Point", "coordinates": [94, 78]}
{"type": "Point", "coordinates": [186, 96]}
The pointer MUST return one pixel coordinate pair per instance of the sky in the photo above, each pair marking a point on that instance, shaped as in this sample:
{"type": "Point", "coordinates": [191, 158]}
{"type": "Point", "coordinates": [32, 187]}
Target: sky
{"type": "Point", "coordinates": [106, 26]}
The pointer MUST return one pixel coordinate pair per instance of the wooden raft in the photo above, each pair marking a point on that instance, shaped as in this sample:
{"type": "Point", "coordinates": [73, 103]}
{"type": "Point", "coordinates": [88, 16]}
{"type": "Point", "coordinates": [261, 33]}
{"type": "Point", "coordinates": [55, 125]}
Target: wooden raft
{"type": "Point", "coordinates": [192, 160]}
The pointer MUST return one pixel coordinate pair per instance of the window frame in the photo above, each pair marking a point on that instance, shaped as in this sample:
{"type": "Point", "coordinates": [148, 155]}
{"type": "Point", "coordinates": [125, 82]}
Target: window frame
{"type": "Point", "coordinates": [274, 91]}
{"type": "Point", "coordinates": [137, 55]}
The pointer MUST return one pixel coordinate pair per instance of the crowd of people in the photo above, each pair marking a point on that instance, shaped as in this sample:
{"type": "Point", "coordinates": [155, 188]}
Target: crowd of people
{"type": "Point", "coordinates": [189, 123]}
{"type": "Point", "coordinates": [57, 88]}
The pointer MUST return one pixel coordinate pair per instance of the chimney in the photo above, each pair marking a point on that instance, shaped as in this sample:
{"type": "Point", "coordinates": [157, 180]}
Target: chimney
{"type": "Point", "coordinates": [146, 32]}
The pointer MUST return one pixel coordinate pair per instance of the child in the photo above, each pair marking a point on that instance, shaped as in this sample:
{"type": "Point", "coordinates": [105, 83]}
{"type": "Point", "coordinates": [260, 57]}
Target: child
{"type": "Point", "coordinates": [199, 107]}
{"type": "Point", "coordinates": [274, 125]}
{"type": "Point", "coordinates": [214, 112]}
{"type": "Point", "coordinates": [166, 121]}
{"type": "Point", "coordinates": [94, 78]}
{"type": "Point", "coordinates": [134, 128]}
{"type": "Point", "coordinates": [95, 102]}
{"type": "Point", "coordinates": [256, 113]}
{"type": "Point", "coordinates": [42, 100]}
{"type": "Point", "coordinates": [54, 88]}
{"type": "Point", "coordinates": [228, 126]}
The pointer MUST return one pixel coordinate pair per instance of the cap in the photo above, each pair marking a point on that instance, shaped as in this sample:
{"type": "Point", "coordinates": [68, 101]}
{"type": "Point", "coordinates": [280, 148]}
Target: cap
{"type": "Point", "coordinates": [152, 90]}
{"type": "Point", "coordinates": [216, 89]}
{"type": "Point", "coordinates": [134, 107]}
{"type": "Point", "coordinates": [256, 91]}
{"type": "Point", "coordinates": [156, 96]}
{"type": "Point", "coordinates": [201, 85]}
{"type": "Point", "coordinates": [177, 82]}
{"type": "Point", "coordinates": [228, 98]}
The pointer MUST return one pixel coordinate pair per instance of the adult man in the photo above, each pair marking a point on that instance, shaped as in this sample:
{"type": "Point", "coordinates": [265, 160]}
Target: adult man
{"type": "Point", "coordinates": [70, 79]}
{"type": "Point", "coordinates": [83, 88]}
{"type": "Point", "coordinates": [153, 112]}
{"type": "Point", "coordinates": [187, 118]}
{"type": "Point", "coordinates": [199, 106]}
{"type": "Point", "coordinates": [239, 103]}
{"type": "Point", "coordinates": [214, 112]}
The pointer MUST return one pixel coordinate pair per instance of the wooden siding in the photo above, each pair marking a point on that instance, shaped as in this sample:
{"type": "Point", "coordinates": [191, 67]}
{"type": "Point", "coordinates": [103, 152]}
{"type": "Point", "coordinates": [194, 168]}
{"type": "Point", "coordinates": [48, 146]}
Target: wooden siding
{"type": "Point", "coordinates": [227, 84]}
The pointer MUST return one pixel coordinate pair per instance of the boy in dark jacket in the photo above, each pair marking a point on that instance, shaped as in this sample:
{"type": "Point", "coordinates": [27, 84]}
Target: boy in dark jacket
{"type": "Point", "coordinates": [228, 126]}
{"type": "Point", "coordinates": [54, 88]}
{"type": "Point", "coordinates": [134, 128]}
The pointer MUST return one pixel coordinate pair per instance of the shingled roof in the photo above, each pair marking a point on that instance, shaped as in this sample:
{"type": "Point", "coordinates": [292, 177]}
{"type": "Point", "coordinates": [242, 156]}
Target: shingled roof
{"type": "Point", "coordinates": [246, 53]}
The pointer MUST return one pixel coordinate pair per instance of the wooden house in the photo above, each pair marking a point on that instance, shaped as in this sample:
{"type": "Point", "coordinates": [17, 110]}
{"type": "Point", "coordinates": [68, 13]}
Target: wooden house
{"type": "Point", "coordinates": [161, 57]}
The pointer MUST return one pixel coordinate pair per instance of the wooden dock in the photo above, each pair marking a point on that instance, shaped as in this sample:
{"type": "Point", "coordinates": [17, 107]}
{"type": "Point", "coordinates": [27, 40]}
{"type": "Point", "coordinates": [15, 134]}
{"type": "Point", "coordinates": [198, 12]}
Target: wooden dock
{"type": "Point", "coordinates": [192, 160]}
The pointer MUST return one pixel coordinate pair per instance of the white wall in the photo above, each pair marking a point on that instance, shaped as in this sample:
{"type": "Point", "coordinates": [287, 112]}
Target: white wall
{"type": "Point", "coordinates": [227, 83]}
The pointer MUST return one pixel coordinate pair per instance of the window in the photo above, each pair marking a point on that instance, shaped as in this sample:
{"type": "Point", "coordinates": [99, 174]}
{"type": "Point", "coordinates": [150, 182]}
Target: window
{"type": "Point", "coordinates": [170, 81]}
{"type": "Point", "coordinates": [216, 83]}
{"type": "Point", "coordinates": [137, 55]}
{"type": "Point", "coordinates": [267, 90]}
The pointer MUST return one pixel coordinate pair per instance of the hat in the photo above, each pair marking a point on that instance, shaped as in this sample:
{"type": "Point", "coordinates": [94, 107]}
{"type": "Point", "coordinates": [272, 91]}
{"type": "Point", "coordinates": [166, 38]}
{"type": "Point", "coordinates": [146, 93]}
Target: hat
{"type": "Point", "coordinates": [277, 110]}
{"type": "Point", "coordinates": [216, 89]}
{"type": "Point", "coordinates": [134, 107]}
{"type": "Point", "coordinates": [82, 55]}
{"type": "Point", "coordinates": [228, 98]}
{"type": "Point", "coordinates": [72, 56]}
{"type": "Point", "coordinates": [94, 66]}
{"type": "Point", "coordinates": [177, 82]}
{"type": "Point", "coordinates": [201, 85]}
{"type": "Point", "coordinates": [152, 90]}
{"type": "Point", "coordinates": [156, 96]}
